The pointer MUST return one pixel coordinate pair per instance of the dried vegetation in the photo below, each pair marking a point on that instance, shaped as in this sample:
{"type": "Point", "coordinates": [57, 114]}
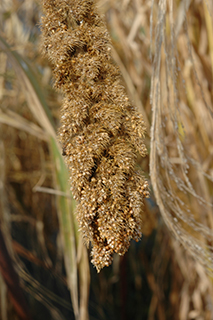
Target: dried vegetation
{"type": "Point", "coordinates": [157, 278]}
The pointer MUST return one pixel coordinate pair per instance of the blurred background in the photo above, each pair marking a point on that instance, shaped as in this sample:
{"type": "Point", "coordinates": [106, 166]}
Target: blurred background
{"type": "Point", "coordinates": [164, 50]}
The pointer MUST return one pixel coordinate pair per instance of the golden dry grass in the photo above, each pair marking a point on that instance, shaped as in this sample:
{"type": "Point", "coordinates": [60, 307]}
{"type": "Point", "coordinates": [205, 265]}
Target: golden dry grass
{"type": "Point", "coordinates": [175, 66]}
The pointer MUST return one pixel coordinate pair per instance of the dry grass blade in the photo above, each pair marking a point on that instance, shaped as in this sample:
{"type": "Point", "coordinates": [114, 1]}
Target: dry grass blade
{"type": "Point", "coordinates": [14, 120]}
{"type": "Point", "coordinates": [178, 150]}
{"type": "Point", "coordinates": [3, 298]}
{"type": "Point", "coordinates": [131, 89]}
{"type": "Point", "coordinates": [84, 285]}
{"type": "Point", "coordinates": [34, 97]}
{"type": "Point", "coordinates": [209, 27]}
{"type": "Point", "coordinates": [51, 191]}
{"type": "Point", "coordinates": [3, 287]}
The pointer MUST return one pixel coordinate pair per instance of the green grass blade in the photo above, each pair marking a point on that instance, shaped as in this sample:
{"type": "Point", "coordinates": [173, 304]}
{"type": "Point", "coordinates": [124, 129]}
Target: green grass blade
{"type": "Point", "coordinates": [68, 224]}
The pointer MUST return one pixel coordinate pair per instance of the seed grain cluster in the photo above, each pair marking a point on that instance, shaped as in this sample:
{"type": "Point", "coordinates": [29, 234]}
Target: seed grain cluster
{"type": "Point", "coordinates": [101, 131]}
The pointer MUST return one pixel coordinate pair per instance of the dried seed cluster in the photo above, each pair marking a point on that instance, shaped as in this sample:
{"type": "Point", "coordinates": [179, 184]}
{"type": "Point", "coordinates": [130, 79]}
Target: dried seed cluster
{"type": "Point", "coordinates": [101, 131]}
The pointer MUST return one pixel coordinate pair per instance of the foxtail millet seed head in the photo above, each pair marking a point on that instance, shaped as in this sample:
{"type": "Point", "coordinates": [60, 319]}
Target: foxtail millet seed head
{"type": "Point", "coordinates": [101, 132]}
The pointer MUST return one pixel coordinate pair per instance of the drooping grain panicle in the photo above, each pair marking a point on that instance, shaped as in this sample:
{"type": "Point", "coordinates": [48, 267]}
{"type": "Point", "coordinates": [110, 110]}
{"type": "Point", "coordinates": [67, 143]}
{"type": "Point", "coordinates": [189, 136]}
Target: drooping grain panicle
{"type": "Point", "coordinates": [101, 132]}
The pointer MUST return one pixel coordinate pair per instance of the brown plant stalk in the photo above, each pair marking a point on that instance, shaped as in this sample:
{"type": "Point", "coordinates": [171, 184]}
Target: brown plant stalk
{"type": "Point", "coordinates": [101, 131]}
